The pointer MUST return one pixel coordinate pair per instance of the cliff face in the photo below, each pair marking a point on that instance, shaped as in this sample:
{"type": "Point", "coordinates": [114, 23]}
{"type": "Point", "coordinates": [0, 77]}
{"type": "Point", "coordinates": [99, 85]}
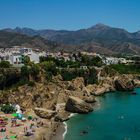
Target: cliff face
{"type": "Point", "coordinates": [49, 96]}
{"type": "Point", "coordinates": [124, 83]}
{"type": "Point", "coordinates": [45, 95]}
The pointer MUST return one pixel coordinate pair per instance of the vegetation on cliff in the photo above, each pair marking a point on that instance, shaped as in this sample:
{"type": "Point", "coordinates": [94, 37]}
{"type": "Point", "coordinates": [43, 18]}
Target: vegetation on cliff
{"type": "Point", "coordinates": [126, 69]}
{"type": "Point", "coordinates": [8, 109]}
{"type": "Point", "coordinates": [49, 67]}
{"type": "Point", "coordinates": [46, 69]}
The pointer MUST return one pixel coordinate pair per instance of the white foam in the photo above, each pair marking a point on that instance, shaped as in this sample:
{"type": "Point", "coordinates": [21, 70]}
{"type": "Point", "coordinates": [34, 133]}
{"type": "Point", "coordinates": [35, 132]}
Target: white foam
{"type": "Point", "coordinates": [65, 125]}
{"type": "Point", "coordinates": [66, 129]}
{"type": "Point", "coordinates": [72, 115]}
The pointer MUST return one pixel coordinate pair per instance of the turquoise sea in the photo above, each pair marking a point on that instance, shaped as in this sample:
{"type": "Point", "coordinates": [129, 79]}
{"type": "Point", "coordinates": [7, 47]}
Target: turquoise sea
{"type": "Point", "coordinates": [117, 118]}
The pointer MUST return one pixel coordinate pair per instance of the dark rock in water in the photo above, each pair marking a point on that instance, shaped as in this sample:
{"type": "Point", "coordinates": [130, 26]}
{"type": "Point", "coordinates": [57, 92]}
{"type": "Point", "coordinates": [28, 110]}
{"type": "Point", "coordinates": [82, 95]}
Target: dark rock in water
{"type": "Point", "coordinates": [133, 93]}
{"type": "Point", "coordinates": [76, 105]}
{"type": "Point", "coordinates": [84, 132]}
{"type": "Point", "coordinates": [123, 83]}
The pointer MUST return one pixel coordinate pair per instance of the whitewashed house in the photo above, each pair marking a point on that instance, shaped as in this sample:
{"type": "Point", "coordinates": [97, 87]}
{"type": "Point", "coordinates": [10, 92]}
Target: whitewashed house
{"type": "Point", "coordinates": [34, 57]}
{"type": "Point", "coordinates": [16, 59]}
{"type": "Point", "coordinates": [111, 60]}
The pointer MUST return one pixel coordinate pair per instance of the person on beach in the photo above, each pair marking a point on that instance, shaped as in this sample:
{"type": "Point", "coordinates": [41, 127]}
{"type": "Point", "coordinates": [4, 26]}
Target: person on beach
{"type": "Point", "coordinates": [24, 129]}
{"type": "Point", "coordinates": [6, 137]}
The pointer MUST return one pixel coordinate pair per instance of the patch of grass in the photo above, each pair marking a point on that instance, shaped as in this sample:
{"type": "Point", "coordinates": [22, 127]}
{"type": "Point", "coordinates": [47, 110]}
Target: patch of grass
{"type": "Point", "coordinates": [31, 83]}
{"type": "Point", "coordinates": [126, 69]}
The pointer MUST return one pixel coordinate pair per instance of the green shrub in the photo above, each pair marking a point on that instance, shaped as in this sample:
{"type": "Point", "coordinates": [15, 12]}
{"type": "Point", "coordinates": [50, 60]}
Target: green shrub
{"type": "Point", "coordinates": [5, 64]}
{"type": "Point", "coordinates": [26, 60]}
{"type": "Point", "coordinates": [49, 76]}
{"type": "Point", "coordinates": [49, 66]}
{"type": "Point", "coordinates": [7, 109]}
{"type": "Point", "coordinates": [9, 77]}
{"type": "Point", "coordinates": [34, 71]}
{"type": "Point", "coordinates": [31, 83]}
{"type": "Point", "coordinates": [25, 72]}
{"type": "Point", "coordinates": [126, 69]}
{"type": "Point", "coordinates": [22, 82]}
{"type": "Point", "coordinates": [89, 75]}
{"type": "Point", "coordinates": [91, 61]}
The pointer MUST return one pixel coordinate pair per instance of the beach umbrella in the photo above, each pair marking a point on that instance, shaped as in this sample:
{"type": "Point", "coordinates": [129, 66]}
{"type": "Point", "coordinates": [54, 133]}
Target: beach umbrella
{"type": "Point", "coordinates": [30, 117]}
{"type": "Point", "coordinates": [13, 137]}
{"type": "Point", "coordinates": [15, 115]}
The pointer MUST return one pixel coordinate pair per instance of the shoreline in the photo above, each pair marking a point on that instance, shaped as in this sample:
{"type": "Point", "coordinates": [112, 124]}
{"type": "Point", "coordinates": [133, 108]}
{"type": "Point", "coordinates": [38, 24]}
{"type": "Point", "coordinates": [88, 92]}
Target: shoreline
{"type": "Point", "coordinates": [66, 129]}
{"type": "Point", "coordinates": [63, 128]}
{"type": "Point", "coordinates": [66, 126]}
{"type": "Point", "coordinates": [59, 132]}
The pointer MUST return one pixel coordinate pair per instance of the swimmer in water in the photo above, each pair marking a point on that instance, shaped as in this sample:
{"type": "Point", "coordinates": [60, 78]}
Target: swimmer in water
{"type": "Point", "coordinates": [121, 117]}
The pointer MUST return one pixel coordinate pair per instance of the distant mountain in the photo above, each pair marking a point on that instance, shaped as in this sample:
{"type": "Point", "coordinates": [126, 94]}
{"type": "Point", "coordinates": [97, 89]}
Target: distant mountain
{"type": "Point", "coordinates": [99, 38]}
{"type": "Point", "coordinates": [10, 39]}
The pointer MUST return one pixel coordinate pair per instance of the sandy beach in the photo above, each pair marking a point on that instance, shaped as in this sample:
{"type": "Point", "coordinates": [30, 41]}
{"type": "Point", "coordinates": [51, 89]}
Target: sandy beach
{"type": "Point", "coordinates": [59, 132]}
{"type": "Point", "coordinates": [18, 131]}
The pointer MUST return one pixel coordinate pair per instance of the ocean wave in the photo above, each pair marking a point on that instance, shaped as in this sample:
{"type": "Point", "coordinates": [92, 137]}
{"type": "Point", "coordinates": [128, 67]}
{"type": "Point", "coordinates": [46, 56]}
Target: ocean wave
{"type": "Point", "coordinates": [65, 124]}
{"type": "Point", "coordinates": [66, 129]}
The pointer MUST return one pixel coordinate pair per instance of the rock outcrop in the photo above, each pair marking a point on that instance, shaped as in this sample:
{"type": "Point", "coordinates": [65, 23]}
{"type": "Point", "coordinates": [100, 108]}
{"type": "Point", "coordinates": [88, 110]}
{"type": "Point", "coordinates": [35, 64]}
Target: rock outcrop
{"type": "Point", "coordinates": [91, 88]}
{"type": "Point", "coordinates": [76, 105]}
{"type": "Point", "coordinates": [105, 85]}
{"type": "Point", "coordinates": [124, 83]}
{"type": "Point", "coordinates": [99, 91]}
{"type": "Point", "coordinates": [58, 98]}
{"type": "Point", "coordinates": [44, 113]}
{"type": "Point", "coordinates": [136, 82]}
{"type": "Point", "coordinates": [90, 99]}
{"type": "Point", "coordinates": [62, 116]}
{"type": "Point", "coordinates": [76, 84]}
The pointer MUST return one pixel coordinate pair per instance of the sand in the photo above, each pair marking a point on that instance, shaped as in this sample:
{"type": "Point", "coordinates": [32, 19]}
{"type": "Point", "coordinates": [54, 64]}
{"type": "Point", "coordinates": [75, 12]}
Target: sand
{"type": "Point", "coordinates": [59, 132]}
{"type": "Point", "coordinates": [19, 130]}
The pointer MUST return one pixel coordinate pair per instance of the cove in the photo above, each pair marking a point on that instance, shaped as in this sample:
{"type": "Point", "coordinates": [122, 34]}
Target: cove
{"type": "Point", "coordinates": [116, 118]}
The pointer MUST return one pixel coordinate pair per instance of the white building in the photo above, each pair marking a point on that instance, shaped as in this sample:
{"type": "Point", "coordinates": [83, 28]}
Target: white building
{"type": "Point", "coordinates": [115, 60]}
{"type": "Point", "coordinates": [34, 56]}
{"type": "Point", "coordinates": [15, 54]}
{"type": "Point", "coordinates": [16, 59]}
{"type": "Point", "coordinates": [111, 60]}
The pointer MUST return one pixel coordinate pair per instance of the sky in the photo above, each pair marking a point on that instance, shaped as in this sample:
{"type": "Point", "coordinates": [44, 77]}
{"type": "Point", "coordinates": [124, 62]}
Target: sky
{"type": "Point", "coordinates": [70, 14]}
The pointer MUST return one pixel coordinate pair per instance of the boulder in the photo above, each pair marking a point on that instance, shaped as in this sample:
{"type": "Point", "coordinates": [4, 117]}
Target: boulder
{"type": "Point", "coordinates": [124, 83]}
{"type": "Point", "coordinates": [136, 82]}
{"type": "Point", "coordinates": [71, 86]}
{"type": "Point", "coordinates": [99, 91]}
{"type": "Point", "coordinates": [85, 92]}
{"type": "Point", "coordinates": [76, 84]}
{"type": "Point", "coordinates": [76, 105]}
{"type": "Point", "coordinates": [44, 113]}
{"type": "Point", "coordinates": [91, 88]}
{"type": "Point", "coordinates": [90, 99]}
{"type": "Point", "coordinates": [62, 116]}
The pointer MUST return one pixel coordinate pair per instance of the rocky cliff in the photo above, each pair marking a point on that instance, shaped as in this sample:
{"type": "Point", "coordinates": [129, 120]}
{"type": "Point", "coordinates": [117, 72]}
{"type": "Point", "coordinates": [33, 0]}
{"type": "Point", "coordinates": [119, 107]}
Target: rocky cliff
{"type": "Point", "coordinates": [57, 99]}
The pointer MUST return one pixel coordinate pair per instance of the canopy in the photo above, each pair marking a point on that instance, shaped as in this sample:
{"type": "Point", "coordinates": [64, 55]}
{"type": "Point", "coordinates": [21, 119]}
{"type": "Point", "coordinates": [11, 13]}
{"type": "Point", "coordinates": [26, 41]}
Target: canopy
{"type": "Point", "coordinates": [15, 115]}
{"type": "Point", "coordinates": [13, 137]}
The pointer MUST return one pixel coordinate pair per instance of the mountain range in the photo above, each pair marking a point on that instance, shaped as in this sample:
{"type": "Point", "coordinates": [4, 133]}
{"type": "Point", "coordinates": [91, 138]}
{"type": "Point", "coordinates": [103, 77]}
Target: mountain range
{"type": "Point", "coordinates": [99, 38]}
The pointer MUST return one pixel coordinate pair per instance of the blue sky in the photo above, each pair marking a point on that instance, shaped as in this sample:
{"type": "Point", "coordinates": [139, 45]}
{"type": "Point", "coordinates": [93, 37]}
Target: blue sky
{"type": "Point", "coordinates": [70, 14]}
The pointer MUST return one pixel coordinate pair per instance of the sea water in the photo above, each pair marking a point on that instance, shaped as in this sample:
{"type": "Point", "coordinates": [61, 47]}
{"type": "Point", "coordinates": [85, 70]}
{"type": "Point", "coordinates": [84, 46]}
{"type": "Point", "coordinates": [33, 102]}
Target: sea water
{"type": "Point", "coordinates": [117, 118]}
